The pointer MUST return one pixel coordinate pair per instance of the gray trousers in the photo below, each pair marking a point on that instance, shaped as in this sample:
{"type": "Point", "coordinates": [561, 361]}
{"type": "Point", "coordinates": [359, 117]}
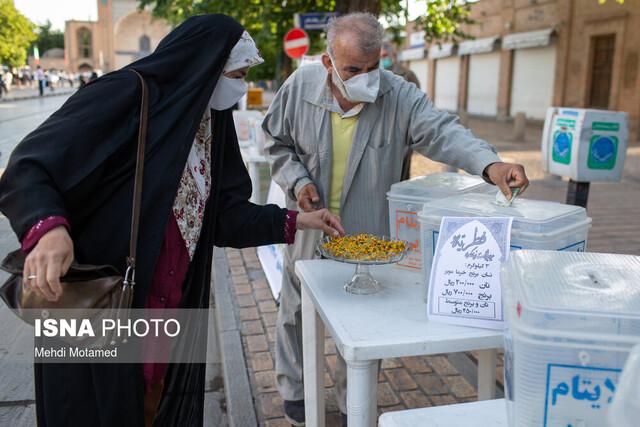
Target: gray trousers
{"type": "Point", "coordinates": [289, 377]}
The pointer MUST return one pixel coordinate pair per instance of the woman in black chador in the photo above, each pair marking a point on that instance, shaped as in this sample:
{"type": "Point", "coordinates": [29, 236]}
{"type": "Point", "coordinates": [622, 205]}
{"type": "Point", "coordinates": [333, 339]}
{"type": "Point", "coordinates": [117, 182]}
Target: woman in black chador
{"type": "Point", "coordinates": [68, 194]}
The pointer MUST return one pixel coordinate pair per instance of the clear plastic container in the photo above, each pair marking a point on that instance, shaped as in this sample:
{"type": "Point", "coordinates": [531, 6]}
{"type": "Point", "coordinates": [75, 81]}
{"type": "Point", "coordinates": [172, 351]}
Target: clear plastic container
{"type": "Point", "coordinates": [407, 198]}
{"type": "Point", "coordinates": [536, 224]}
{"type": "Point", "coordinates": [572, 319]}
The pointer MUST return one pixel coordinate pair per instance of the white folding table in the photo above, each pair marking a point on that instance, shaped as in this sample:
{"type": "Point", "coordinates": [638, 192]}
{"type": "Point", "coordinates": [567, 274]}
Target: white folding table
{"type": "Point", "coordinates": [367, 328]}
{"type": "Point", "coordinates": [488, 413]}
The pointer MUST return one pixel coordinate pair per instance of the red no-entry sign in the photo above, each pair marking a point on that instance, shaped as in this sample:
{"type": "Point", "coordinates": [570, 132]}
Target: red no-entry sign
{"type": "Point", "coordinates": [296, 43]}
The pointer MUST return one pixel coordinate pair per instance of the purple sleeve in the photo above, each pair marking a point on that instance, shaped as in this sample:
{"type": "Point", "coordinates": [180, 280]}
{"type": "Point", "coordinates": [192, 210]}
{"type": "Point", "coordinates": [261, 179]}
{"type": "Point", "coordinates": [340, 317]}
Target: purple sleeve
{"type": "Point", "coordinates": [290, 227]}
{"type": "Point", "coordinates": [41, 228]}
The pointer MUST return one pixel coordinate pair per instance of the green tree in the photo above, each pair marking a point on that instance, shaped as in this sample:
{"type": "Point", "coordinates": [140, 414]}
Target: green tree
{"type": "Point", "coordinates": [16, 33]}
{"type": "Point", "coordinates": [47, 38]}
{"type": "Point", "coordinates": [443, 20]}
{"type": "Point", "coordinates": [268, 20]}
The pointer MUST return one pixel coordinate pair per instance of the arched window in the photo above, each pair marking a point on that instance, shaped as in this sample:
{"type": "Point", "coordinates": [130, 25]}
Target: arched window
{"type": "Point", "coordinates": [84, 43]}
{"type": "Point", "coordinates": [145, 44]}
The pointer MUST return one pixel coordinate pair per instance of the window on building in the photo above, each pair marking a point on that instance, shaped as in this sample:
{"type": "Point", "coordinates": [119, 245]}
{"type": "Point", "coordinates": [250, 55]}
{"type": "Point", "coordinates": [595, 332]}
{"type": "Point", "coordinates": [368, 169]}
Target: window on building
{"type": "Point", "coordinates": [145, 44]}
{"type": "Point", "coordinates": [84, 43]}
{"type": "Point", "coordinates": [603, 49]}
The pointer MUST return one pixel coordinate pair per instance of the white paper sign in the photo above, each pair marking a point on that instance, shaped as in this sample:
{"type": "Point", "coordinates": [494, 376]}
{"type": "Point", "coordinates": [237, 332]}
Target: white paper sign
{"type": "Point", "coordinates": [272, 256]}
{"type": "Point", "coordinates": [464, 287]}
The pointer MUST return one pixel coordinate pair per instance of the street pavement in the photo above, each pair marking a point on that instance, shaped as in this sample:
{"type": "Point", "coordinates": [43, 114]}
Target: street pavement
{"type": "Point", "coordinates": [17, 395]}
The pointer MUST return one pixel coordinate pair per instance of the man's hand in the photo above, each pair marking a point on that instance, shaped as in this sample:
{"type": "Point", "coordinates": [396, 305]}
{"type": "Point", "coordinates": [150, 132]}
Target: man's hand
{"type": "Point", "coordinates": [308, 198]}
{"type": "Point", "coordinates": [320, 220]}
{"type": "Point", "coordinates": [48, 261]}
{"type": "Point", "coordinates": [506, 175]}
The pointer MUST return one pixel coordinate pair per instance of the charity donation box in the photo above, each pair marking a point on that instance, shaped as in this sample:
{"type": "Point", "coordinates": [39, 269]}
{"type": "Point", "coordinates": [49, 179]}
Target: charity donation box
{"type": "Point", "coordinates": [572, 319]}
{"type": "Point", "coordinates": [585, 145]}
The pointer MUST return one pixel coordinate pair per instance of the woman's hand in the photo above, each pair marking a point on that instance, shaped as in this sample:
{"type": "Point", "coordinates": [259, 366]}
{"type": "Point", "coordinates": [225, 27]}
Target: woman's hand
{"type": "Point", "coordinates": [321, 219]}
{"type": "Point", "coordinates": [47, 262]}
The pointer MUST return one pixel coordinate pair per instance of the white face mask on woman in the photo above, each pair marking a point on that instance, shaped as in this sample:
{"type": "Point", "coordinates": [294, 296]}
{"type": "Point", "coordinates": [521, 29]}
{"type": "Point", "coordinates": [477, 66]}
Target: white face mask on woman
{"type": "Point", "coordinates": [360, 88]}
{"type": "Point", "coordinates": [227, 93]}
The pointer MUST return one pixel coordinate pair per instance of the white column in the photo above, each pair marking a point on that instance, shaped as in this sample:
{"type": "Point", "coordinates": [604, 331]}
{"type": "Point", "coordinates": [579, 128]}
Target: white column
{"type": "Point", "coordinates": [362, 381]}
{"type": "Point", "coordinates": [313, 361]}
{"type": "Point", "coordinates": [487, 360]}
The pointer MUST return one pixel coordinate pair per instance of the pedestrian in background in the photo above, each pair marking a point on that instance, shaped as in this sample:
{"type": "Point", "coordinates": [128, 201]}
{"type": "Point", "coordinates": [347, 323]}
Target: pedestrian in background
{"type": "Point", "coordinates": [40, 77]}
{"type": "Point", "coordinates": [389, 61]}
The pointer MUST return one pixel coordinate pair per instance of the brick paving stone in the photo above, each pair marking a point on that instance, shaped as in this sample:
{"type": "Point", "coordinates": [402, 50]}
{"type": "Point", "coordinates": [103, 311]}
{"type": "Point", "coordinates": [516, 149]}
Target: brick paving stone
{"type": "Point", "coordinates": [329, 346]}
{"type": "Point", "coordinates": [391, 363]}
{"type": "Point", "coordinates": [257, 343]}
{"type": "Point", "coordinates": [331, 403]}
{"type": "Point", "coordinates": [245, 301]}
{"type": "Point", "coordinates": [269, 319]}
{"type": "Point", "coordinates": [250, 313]}
{"type": "Point", "coordinates": [277, 422]}
{"type": "Point", "coordinates": [386, 395]}
{"type": "Point", "coordinates": [263, 295]}
{"type": "Point", "coordinates": [261, 361]}
{"type": "Point", "coordinates": [255, 265]}
{"type": "Point", "coordinates": [333, 419]}
{"type": "Point", "coordinates": [459, 386]}
{"type": "Point", "coordinates": [330, 363]}
{"type": "Point", "coordinates": [237, 270]}
{"type": "Point", "coordinates": [242, 290]}
{"type": "Point", "coordinates": [444, 399]}
{"type": "Point", "coordinates": [415, 399]}
{"type": "Point", "coordinates": [417, 364]}
{"type": "Point", "coordinates": [328, 382]}
{"type": "Point", "coordinates": [400, 379]}
{"type": "Point", "coordinates": [268, 306]}
{"type": "Point", "coordinates": [431, 384]}
{"type": "Point", "coordinates": [392, 409]}
{"type": "Point", "coordinates": [235, 261]}
{"type": "Point", "coordinates": [441, 365]}
{"type": "Point", "coordinates": [240, 280]}
{"type": "Point", "coordinates": [252, 327]}
{"type": "Point", "coordinates": [271, 334]}
{"type": "Point", "coordinates": [265, 381]}
{"type": "Point", "coordinates": [260, 284]}
{"type": "Point", "coordinates": [270, 405]}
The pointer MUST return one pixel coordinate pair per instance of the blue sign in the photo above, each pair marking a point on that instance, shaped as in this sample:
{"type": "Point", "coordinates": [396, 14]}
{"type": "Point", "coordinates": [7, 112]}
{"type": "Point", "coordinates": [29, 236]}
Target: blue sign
{"type": "Point", "coordinates": [576, 393]}
{"type": "Point", "coordinates": [314, 21]}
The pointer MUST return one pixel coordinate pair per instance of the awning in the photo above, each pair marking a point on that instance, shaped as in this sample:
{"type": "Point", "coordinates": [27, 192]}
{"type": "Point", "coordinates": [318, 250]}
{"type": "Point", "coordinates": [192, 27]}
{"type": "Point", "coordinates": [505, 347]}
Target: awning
{"type": "Point", "coordinates": [485, 45]}
{"type": "Point", "coordinates": [413, 54]}
{"type": "Point", "coordinates": [442, 51]}
{"type": "Point", "coordinates": [528, 39]}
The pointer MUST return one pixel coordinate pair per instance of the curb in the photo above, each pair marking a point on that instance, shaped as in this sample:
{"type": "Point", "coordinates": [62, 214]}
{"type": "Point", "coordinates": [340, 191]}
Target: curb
{"type": "Point", "coordinates": [240, 409]}
{"type": "Point", "coordinates": [37, 96]}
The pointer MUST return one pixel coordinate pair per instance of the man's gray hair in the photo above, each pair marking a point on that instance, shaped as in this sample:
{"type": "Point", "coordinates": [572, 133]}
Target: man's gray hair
{"type": "Point", "coordinates": [364, 26]}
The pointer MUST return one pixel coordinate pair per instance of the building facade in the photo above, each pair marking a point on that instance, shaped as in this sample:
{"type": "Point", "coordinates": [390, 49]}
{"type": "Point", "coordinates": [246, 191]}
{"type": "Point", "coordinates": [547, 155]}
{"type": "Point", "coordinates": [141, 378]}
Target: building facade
{"type": "Point", "coordinates": [528, 55]}
{"type": "Point", "coordinates": [121, 35]}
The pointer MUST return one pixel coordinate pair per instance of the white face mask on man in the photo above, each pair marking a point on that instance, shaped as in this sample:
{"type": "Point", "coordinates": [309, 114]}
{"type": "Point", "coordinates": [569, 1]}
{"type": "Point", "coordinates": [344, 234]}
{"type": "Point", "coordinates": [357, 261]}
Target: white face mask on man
{"type": "Point", "coordinates": [360, 88]}
{"type": "Point", "coordinates": [227, 93]}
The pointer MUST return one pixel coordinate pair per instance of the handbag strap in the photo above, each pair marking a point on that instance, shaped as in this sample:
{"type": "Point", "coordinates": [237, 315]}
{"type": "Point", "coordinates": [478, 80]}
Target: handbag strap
{"type": "Point", "coordinates": [137, 184]}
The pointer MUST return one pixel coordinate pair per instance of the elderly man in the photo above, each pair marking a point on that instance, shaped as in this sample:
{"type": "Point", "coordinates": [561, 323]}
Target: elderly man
{"type": "Point", "coordinates": [339, 132]}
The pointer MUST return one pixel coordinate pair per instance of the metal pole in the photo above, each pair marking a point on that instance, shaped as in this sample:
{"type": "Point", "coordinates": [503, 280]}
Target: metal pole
{"type": "Point", "coordinates": [578, 193]}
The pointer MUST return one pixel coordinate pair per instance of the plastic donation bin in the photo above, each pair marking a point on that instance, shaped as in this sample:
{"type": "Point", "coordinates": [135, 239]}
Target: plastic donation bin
{"type": "Point", "coordinates": [572, 319]}
{"type": "Point", "coordinates": [407, 198]}
{"type": "Point", "coordinates": [536, 224]}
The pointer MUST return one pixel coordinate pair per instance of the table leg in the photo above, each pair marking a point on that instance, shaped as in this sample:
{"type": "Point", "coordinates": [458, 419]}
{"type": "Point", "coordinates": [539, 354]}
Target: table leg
{"type": "Point", "coordinates": [313, 361]}
{"type": "Point", "coordinates": [362, 382]}
{"type": "Point", "coordinates": [487, 360]}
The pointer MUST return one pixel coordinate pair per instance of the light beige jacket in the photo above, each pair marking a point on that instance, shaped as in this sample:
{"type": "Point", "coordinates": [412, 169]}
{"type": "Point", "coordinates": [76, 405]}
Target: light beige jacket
{"type": "Point", "coordinates": [300, 149]}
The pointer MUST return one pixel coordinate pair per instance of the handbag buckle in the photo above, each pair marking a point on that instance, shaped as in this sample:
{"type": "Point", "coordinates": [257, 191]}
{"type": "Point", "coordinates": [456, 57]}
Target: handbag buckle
{"type": "Point", "coordinates": [130, 276]}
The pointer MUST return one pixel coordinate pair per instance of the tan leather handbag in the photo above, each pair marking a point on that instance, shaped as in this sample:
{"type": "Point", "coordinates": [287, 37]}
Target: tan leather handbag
{"type": "Point", "coordinates": [88, 291]}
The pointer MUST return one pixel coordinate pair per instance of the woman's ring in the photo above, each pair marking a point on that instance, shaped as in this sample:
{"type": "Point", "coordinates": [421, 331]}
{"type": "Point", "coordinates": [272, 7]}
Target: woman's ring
{"type": "Point", "coordinates": [31, 277]}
